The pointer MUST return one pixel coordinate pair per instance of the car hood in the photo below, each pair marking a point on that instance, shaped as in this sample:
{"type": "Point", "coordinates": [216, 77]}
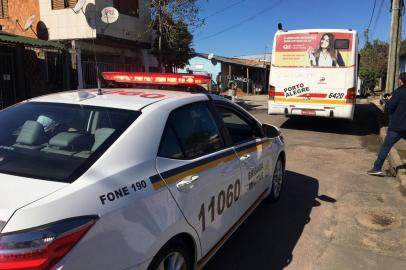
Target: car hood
{"type": "Point", "coordinates": [17, 192]}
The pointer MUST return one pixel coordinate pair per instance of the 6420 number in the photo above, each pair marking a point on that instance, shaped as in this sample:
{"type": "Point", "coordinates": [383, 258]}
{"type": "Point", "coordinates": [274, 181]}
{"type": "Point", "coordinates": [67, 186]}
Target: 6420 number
{"type": "Point", "coordinates": [218, 203]}
{"type": "Point", "coordinates": [336, 95]}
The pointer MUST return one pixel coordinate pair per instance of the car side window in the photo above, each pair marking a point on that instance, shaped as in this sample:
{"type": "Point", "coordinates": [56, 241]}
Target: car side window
{"type": "Point", "coordinates": [239, 128]}
{"type": "Point", "coordinates": [196, 130]}
{"type": "Point", "coordinates": [170, 147]}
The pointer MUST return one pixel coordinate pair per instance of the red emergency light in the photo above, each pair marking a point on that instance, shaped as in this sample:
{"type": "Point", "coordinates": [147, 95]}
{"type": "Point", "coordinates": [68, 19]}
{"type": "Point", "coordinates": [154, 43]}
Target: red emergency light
{"type": "Point", "coordinates": [156, 78]}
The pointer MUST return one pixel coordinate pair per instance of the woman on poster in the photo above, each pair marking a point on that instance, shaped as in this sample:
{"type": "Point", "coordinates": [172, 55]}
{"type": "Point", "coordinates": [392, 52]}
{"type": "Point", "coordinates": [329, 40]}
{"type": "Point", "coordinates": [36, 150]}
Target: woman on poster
{"type": "Point", "coordinates": [326, 55]}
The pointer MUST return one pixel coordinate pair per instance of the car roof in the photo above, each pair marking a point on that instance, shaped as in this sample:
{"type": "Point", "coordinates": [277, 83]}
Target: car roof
{"type": "Point", "coordinates": [121, 98]}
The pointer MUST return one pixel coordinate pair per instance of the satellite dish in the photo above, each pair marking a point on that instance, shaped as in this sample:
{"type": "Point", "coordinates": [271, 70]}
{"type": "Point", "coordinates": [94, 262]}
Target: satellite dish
{"type": "Point", "coordinates": [109, 15]}
{"type": "Point", "coordinates": [79, 5]}
{"type": "Point", "coordinates": [29, 22]}
{"type": "Point", "coordinates": [210, 56]}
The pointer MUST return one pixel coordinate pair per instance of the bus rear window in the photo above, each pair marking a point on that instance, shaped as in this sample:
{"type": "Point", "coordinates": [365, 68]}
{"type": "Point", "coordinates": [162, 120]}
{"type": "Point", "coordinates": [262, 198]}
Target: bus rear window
{"type": "Point", "coordinates": [342, 44]}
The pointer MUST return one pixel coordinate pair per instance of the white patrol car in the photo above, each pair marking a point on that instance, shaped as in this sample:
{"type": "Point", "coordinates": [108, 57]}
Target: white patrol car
{"type": "Point", "coordinates": [130, 178]}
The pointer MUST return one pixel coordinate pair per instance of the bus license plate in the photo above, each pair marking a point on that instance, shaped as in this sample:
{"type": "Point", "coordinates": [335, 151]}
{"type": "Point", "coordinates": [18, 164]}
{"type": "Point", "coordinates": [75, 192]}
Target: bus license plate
{"type": "Point", "coordinates": [309, 112]}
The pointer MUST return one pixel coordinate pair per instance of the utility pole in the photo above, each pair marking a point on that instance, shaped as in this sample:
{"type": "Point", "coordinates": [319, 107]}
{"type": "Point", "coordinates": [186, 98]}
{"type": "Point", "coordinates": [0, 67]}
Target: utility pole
{"type": "Point", "coordinates": [394, 45]}
{"type": "Point", "coordinates": [366, 36]}
{"type": "Point", "coordinates": [160, 35]}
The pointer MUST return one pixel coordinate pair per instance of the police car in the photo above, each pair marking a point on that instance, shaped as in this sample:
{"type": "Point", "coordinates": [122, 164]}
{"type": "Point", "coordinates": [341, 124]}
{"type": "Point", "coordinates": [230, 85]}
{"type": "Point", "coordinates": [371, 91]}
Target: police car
{"type": "Point", "coordinates": [138, 178]}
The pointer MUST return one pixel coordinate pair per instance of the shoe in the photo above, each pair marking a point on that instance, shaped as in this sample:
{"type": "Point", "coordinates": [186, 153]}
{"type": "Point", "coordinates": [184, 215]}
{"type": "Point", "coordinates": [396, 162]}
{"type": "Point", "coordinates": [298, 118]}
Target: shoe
{"type": "Point", "coordinates": [375, 172]}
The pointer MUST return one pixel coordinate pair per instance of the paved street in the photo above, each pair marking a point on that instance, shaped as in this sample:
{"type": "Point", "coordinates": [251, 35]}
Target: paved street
{"type": "Point", "coordinates": [331, 215]}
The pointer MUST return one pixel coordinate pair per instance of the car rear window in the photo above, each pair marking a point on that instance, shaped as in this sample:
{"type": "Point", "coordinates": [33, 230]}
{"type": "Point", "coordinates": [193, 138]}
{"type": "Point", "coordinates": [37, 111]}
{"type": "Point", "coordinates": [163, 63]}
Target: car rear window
{"type": "Point", "coordinates": [57, 142]}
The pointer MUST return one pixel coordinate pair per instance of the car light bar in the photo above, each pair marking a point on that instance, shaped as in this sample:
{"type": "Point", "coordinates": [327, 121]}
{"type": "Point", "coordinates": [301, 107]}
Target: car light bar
{"type": "Point", "coordinates": [156, 78]}
{"type": "Point", "coordinates": [41, 248]}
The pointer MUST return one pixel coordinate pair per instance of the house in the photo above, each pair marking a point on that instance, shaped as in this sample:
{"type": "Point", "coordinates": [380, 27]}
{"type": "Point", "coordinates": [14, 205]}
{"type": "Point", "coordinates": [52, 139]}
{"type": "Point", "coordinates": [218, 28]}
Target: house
{"type": "Point", "coordinates": [28, 66]}
{"type": "Point", "coordinates": [249, 73]}
{"type": "Point", "coordinates": [119, 46]}
{"type": "Point", "coordinates": [45, 46]}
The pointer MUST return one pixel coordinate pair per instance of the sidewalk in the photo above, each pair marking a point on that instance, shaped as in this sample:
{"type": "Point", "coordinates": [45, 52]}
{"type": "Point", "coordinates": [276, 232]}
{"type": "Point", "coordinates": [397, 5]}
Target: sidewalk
{"type": "Point", "coordinates": [254, 102]}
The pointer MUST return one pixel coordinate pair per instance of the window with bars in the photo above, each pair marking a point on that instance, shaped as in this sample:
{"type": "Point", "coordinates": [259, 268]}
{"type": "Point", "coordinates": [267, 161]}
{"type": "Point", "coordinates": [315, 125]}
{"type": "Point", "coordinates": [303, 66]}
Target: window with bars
{"type": "Point", "coordinates": [61, 4]}
{"type": "Point", "coordinates": [3, 8]}
{"type": "Point", "coordinates": [127, 7]}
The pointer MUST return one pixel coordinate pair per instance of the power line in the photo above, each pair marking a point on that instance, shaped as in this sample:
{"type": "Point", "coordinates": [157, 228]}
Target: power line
{"type": "Point", "coordinates": [372, 15]}
{"type": "Point", "coordinates": [251, 18]}
{"type": "Point", "coordinates": [225, 9]}
{"type": "Point", "coordinates": [377, 18]}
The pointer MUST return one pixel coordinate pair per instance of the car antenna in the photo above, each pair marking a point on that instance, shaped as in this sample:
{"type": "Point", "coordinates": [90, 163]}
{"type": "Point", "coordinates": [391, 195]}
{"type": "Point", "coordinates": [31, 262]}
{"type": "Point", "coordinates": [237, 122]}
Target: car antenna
{"type": "Point", "coordinates": [109, 15]}
{"type": "Point", "coordinates": [99, 91]}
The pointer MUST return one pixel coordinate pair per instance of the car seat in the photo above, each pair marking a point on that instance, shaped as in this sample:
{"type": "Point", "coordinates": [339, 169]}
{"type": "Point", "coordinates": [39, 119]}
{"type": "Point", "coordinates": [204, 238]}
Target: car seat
{"type": "Point", "coordinates": [31, 136]}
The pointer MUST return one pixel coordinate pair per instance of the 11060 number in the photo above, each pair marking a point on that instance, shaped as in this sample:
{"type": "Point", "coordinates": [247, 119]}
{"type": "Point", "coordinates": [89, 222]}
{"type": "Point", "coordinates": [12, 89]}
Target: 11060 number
{"type": "Point", "coordinates": [218, 204]}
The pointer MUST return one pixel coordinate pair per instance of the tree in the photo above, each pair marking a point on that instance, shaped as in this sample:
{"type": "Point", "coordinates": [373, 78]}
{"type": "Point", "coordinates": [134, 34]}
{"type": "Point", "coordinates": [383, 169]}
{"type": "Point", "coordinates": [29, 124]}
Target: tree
{"type": "Point", "coordinates": [374, 62]}
{"type": "Point", "coordinates": [176, 46]}
{"type": "Point", "coordinates": [166, 15]}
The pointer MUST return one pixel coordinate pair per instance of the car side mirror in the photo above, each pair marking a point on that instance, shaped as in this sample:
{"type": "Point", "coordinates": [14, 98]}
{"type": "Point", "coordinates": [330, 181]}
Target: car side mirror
{"type": "Point", "coordinates": [270, 131]}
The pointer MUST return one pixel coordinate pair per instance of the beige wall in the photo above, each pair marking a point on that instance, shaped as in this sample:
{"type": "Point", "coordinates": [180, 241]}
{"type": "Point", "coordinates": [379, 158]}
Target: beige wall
{"type": "Point", "coordinates": [65, 24]}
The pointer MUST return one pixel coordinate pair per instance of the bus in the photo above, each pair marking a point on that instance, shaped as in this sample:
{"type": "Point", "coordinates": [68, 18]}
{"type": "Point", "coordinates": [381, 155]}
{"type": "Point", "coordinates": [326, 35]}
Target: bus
{"type": "Point", "coordinates": [314, 73]}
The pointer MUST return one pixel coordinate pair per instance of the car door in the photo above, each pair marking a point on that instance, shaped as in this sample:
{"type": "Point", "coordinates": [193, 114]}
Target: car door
{"type": "Point", "coordinates": [203, 174]}
{"type": "Point", "coordinates": [253, 150]}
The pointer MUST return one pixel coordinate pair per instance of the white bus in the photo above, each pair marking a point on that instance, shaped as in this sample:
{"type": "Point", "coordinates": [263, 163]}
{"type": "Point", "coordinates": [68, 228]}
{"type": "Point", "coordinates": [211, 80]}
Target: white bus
{"type": "Point", "coordinates": [314, 73]}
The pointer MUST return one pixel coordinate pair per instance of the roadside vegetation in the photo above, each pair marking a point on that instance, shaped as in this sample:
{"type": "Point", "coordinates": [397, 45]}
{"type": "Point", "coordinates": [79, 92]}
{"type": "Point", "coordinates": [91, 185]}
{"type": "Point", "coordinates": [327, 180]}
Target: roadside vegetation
{"type": "Point", "coordinates": [374, 62]}
{"type": "Point", "coordinates": [172, 21]}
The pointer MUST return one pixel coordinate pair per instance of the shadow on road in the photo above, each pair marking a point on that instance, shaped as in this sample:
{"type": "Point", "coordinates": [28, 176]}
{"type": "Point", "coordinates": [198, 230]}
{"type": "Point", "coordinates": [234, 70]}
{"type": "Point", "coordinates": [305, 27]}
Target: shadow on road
{"type": "Point", "coordinates": [364, 123]}
{"type": "Point", "coordinates": [267, 238]}
{"type": "Point", "coordinates": [252, 107]}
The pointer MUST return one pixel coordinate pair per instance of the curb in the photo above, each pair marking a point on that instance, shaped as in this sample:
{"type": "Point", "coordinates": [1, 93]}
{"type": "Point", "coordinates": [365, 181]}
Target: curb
{"type": "Point", "coordinates": [394, 158]}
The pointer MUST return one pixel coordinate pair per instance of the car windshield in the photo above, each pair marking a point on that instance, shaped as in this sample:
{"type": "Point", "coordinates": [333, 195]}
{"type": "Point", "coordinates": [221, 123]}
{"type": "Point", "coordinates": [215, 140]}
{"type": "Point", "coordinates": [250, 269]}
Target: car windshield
{"type": "Point", "coordinates": [57, 142]}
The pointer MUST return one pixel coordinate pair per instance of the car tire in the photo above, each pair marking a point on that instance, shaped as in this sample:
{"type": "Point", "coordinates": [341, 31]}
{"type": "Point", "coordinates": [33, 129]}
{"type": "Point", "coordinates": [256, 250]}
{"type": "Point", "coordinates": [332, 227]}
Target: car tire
{"type": "Point", "coordinates": [174, 255]}
{"type": "Point", "coordinates": [277, 181]}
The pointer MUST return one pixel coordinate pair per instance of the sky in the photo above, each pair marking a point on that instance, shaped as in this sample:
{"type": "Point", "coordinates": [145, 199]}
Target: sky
{"type": "Point", "coordinates": [244, 27]}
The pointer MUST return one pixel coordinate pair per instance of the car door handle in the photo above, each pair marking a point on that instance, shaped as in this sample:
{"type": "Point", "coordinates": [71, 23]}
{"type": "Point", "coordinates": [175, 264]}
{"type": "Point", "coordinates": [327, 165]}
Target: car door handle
{"type": "Point", "coordinates": [185, 185]}
{"type": "Point", "coordinates": [245, 157]}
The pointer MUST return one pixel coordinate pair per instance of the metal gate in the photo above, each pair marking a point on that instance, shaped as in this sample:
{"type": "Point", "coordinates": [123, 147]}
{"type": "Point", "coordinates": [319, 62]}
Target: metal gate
{"type": "Point", "coordinates": [7, 81]}
{"type": "Point", "coordinates": [89, 71]}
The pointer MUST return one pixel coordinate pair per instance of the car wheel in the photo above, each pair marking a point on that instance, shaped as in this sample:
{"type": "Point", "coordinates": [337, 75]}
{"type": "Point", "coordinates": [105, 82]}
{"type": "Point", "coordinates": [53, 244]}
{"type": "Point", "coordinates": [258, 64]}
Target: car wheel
{"type": "Point", "coordinates": [173, 256]}
{"type": "Point", "coordinates": [277, 181]}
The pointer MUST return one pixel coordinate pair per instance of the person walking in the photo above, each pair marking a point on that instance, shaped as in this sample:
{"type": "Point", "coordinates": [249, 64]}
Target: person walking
{"type": "Point", "coordinates": [396, 107]}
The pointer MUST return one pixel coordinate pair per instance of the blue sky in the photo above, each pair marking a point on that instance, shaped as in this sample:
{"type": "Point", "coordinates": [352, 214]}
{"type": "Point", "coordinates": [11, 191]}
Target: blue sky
{"type": "Point", "coordinates": [255, 31]}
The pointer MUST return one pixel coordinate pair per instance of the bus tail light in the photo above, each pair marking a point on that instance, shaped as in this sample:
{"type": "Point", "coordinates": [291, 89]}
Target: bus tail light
{"type": "Point", "coordinates": [41, 248]}
{"type": "Point", "coordinates": [271, 92]}
{"type": "Point", "coordinates": [351, 95]}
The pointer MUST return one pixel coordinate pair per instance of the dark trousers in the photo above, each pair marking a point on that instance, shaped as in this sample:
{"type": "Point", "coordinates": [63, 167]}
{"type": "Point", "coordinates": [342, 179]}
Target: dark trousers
{"type": "Point", "coordinates": [391, 138]}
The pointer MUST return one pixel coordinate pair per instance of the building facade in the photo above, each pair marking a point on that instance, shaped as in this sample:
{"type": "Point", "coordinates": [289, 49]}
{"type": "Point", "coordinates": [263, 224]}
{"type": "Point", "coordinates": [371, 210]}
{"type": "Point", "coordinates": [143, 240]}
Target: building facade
{"type": "Point", "coordinates": [249, 74]}
{"type": "Point", "coordinates": [29, 66]}
{"type": "Point", "coordinates": [121, 46]}
{"type": "Point", "coordinates": [14, 15]}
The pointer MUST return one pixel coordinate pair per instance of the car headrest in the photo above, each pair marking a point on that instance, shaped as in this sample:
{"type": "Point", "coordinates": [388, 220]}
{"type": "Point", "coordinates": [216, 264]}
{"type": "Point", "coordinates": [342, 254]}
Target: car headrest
{"type": "Point", "coordinates": [100, 136]}
{"type": "Point", "coordinates": [32, 133]}
{"type": "Point", "coordinates": [71, 141]}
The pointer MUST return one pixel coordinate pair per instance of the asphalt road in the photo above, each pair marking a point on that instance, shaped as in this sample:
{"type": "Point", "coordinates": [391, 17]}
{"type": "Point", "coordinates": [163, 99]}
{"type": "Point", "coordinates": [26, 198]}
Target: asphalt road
{"type": "Point", "coordinates": [331, 214]}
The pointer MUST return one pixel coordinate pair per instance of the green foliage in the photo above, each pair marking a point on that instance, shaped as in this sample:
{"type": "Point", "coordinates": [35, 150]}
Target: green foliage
{"type": "Point", "coordinates": [176, 46]}
{"type": "Point", "coordinates": [403, 49]}
{"type": "Point", "coordinates": [184, 10]}
{"type": "Point", "coordinates": [374, 62]}
{"type": "Point", "coordinates": [171, 20]}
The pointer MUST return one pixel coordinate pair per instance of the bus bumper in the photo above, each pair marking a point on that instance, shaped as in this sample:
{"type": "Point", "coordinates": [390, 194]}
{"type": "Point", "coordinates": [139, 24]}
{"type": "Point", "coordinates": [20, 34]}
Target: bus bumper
{"type": "Point", "coordinates": [345, 112]}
